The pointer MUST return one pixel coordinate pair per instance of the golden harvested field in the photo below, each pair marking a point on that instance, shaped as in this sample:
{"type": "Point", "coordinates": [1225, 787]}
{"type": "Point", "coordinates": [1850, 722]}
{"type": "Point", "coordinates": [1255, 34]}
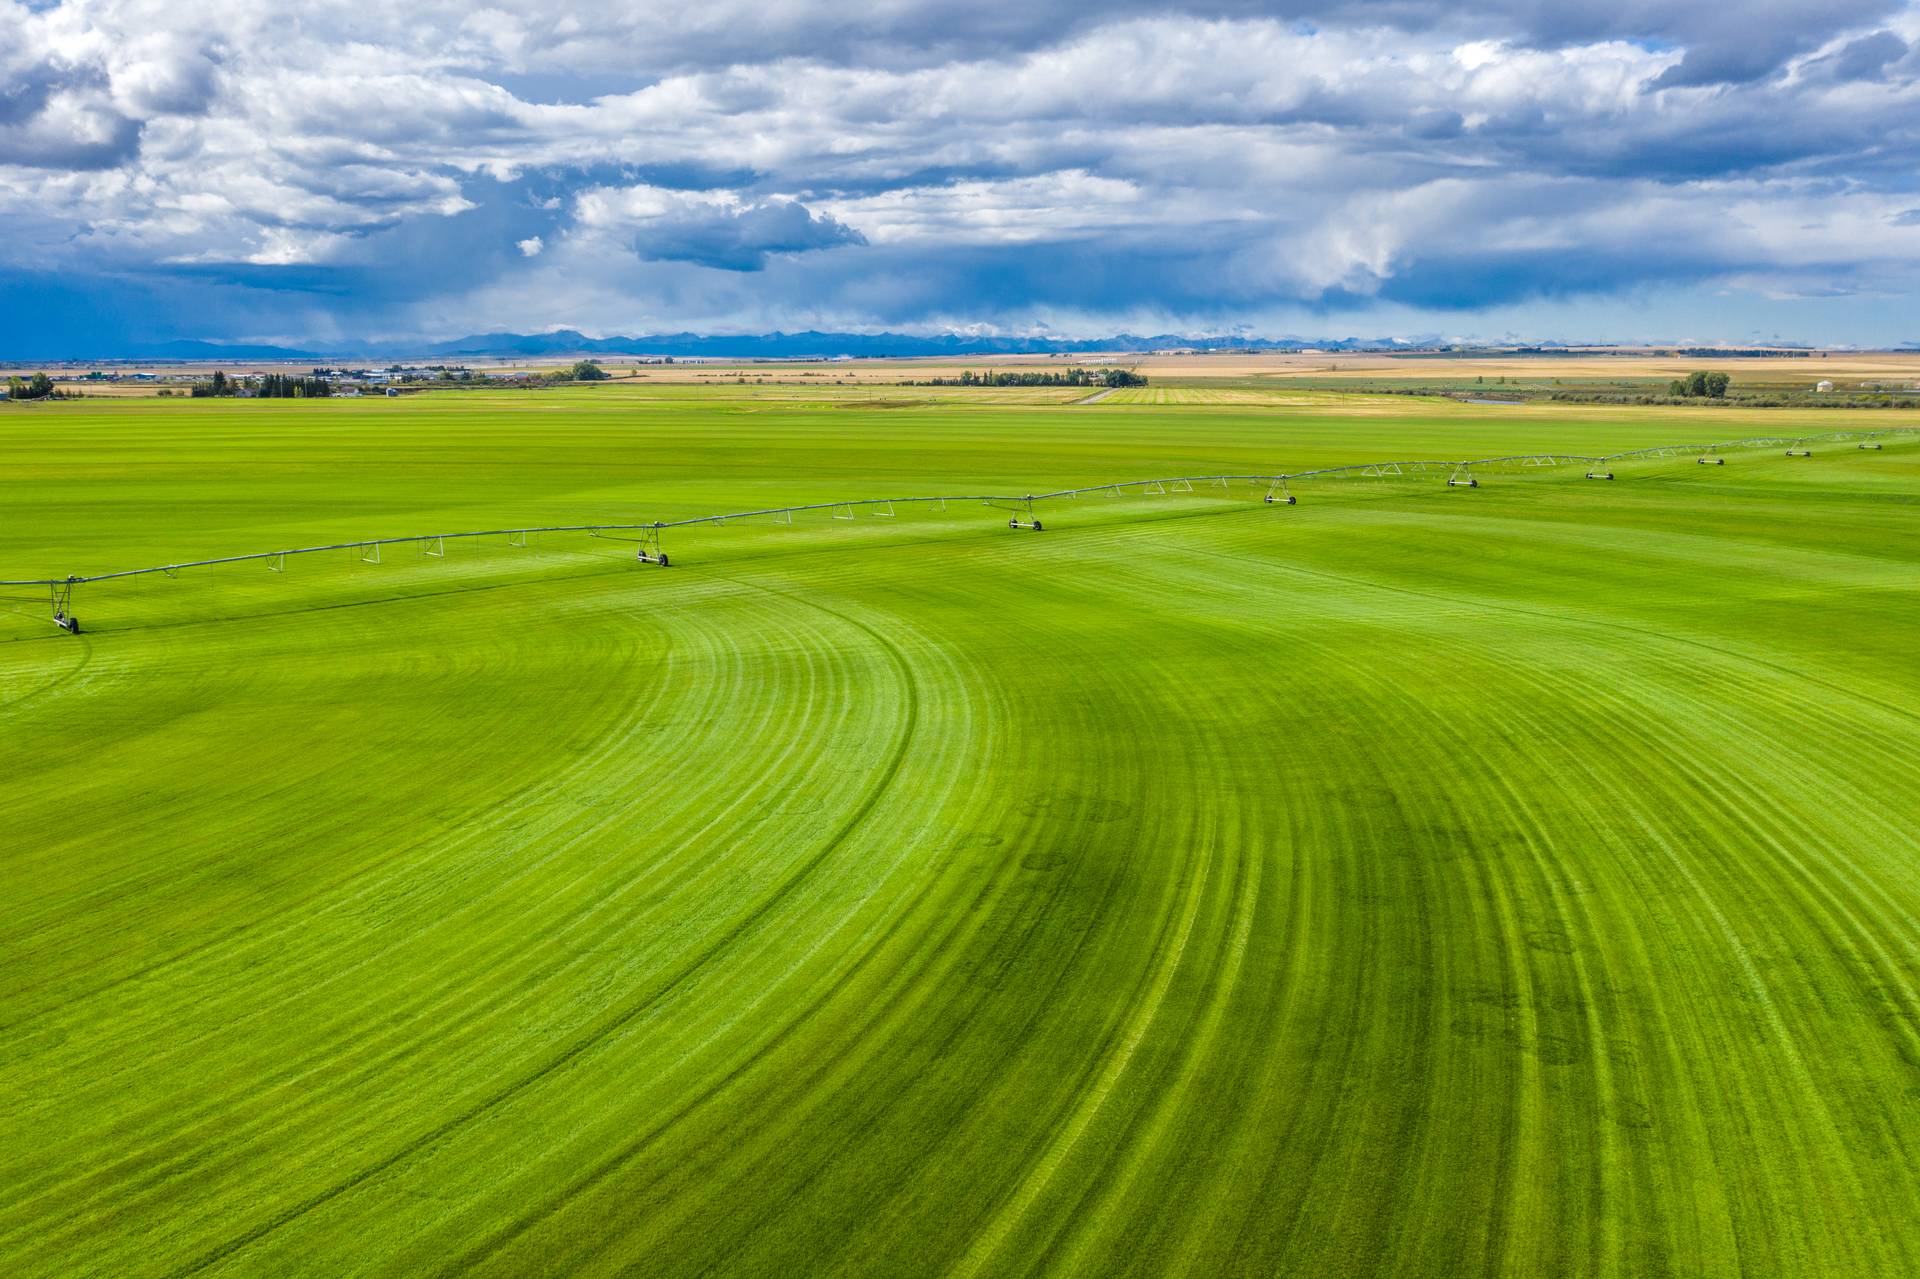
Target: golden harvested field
{"type": "Point", "coordinates": [113, 391]}
{"type": "Point", "coordinates": [1838, 365]}
{"type": "Point", "coordinates": [1257, 397]}
{"type": "Point", "coordinates": [881, 395]}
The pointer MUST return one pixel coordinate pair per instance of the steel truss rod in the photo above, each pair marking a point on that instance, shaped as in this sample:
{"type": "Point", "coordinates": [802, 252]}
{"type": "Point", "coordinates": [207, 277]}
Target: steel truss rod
{"type": "Point", "coordinates": [649, 551]}
{"type": "Point", "coordinates": [1023, 516]}
{"type": "Point", "coordinates": [62, 593]}
{"type": "Point", "coordinates": [1275, 484]}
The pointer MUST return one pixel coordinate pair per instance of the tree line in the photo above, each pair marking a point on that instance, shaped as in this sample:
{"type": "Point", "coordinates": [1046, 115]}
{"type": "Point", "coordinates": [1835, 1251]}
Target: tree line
{"type": "Point", "coordinates": [37, 387]}
{"type": "Point", "coordinates": [269, 386]}
{"type": "Point", "coordinates": [1072, 377]}
{"type": "Point", "coordinates": [285, 386]}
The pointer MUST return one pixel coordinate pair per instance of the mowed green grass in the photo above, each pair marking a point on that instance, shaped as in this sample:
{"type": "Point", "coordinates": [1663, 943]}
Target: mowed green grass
{"type": "Point", "coordinates": [1413, 881]}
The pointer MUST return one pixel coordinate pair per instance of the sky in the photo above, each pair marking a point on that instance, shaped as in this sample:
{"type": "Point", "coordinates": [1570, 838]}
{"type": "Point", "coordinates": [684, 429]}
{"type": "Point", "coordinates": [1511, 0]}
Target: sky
{"type": "Point", "coordinates": [321, 174]}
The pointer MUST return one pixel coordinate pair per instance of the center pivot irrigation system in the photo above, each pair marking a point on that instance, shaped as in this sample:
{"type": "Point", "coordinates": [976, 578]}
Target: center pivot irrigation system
{"type": "Point", "coordinates": [1020, 509]}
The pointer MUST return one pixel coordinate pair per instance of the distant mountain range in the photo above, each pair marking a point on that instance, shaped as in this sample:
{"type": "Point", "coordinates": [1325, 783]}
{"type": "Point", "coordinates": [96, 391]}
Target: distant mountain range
{"type": "Point", "coordinates": [812, 344]}
{"type": "Point", "coordinates": [184, 349]}
{"type": "Point", "coordinates": [563, 343]}
{"type": "Point", "coordinates": [780, 346]}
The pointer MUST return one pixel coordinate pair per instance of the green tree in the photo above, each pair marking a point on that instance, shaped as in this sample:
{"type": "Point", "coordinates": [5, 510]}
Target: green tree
{"type": "Point", "coordinates": [1700, 385]}
{"type": "Point", "coordinates": [589, 371]}
{"type": "Point", "coordinates": [220, 384]}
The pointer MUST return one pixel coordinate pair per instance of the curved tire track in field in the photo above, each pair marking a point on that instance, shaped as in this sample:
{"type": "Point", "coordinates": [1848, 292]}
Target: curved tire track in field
{"type": "Point", "coordinates": [915, 989]}
{"type": "Point", "coordinates": [963, 1005]}
{"type": "Point", "coordinates": [1569, 919]}
{"type": "Point", "coordinates": [858, 961]}
{"type": "Point", "coordinates": [1219, 844]}
{"type": "Point", "coordinates": [55, 682]}
{"type": "Point", "coordinates": [205, 1113]}
{"type": "Point", "coordinates": [333, 1074]}
{"type": "Point", "coordinates": [605, 1027]}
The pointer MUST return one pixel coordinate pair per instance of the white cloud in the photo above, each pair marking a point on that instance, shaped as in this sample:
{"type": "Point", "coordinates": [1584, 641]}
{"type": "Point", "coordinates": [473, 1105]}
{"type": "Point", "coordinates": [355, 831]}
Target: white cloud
{"type": "Point", "coordinates": [530, 247]}
{"type": "Point", "coordinates": [1041, 207]}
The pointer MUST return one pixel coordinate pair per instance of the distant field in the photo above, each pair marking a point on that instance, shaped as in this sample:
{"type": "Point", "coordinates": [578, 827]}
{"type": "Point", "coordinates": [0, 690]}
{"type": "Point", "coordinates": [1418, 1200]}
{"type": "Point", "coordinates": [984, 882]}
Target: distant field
{"type": "Point", "coordinates": [1346, 366]}
{"type": "Point", "coordinates": [1271, 368]}
{"type": "Point", "coordinates": [1261, 396]}
{"type": "Point", "coordinates": [1417, 880]}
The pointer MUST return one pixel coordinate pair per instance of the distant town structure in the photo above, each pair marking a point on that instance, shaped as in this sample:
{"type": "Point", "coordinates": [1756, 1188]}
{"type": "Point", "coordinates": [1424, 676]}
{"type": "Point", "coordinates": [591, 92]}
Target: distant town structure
{"type": "Point", "coordinates": [1823, 385]}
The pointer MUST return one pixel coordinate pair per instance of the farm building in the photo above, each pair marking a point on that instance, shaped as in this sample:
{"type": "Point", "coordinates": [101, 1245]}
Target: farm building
{"type": "Point", "coordinates": [1823, 385]}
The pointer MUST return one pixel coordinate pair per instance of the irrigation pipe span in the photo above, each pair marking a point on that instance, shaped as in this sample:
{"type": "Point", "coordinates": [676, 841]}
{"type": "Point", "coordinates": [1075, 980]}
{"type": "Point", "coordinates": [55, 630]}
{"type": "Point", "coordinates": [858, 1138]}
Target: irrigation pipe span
{"type": "Point", "coordinates": [1459, 473]}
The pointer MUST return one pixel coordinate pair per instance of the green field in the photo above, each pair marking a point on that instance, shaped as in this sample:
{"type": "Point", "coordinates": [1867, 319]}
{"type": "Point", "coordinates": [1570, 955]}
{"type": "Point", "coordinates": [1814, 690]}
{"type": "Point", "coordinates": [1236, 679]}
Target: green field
{"type": "Point", "coordinates": [1416, 881]}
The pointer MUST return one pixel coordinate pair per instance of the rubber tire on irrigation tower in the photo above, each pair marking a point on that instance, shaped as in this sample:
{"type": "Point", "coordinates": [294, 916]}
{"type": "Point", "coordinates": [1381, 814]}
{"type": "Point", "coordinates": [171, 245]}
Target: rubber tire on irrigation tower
{"type": "Point", "coordinates": [663, 559]}
{"type": "Point", "coordinates": [1036, 526]}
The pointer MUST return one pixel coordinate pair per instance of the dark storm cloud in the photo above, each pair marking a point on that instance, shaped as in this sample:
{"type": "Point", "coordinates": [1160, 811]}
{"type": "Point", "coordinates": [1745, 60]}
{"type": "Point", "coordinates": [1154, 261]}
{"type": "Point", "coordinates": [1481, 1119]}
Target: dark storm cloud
{"type": "Point", "coordinates": [25, 94]}
{"type": "Point", "coordinates": [1868, 57]}
{"type": "Point", "coordinates": [742, 239]}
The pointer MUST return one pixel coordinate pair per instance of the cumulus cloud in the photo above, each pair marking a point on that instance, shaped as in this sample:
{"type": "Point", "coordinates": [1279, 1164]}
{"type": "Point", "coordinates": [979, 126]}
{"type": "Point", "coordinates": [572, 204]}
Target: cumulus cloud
{"type": "Point", "coordinates": [917, 164]}
{"type": "Point", "coordinates": [54, 116]}
{"type": "Point", "coordinates": [75, 91]}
